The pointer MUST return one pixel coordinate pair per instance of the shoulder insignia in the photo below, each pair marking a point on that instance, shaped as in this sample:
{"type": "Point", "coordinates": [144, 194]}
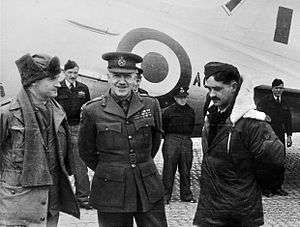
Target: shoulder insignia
{"type": "Point", "coordinates": [100, 98]}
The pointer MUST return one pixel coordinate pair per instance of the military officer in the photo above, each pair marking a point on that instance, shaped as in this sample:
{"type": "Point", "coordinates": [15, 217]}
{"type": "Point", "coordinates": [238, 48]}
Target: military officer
{"type": "Point", "coordinates": [136, 87]}
{"type": "Point", "coordinates": [119, 136]}
{"type": "Point", "coordinates": [71, 95]}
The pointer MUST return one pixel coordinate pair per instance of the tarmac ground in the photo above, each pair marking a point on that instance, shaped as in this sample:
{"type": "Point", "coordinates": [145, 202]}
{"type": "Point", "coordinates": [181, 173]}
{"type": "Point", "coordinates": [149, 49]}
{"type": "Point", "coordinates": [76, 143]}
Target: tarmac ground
{"type": "Point", "coordinates": [278, 211]}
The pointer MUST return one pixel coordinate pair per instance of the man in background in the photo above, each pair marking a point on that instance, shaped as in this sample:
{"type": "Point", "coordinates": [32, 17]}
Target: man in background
{"type": "Point", "coordinates": [138, 79]}
{"type": "Point", "coordinates": [72, 94]}
{"type": "Point", "coordinates": [178, 125]}
{"type": "Point", "coordinates": [275, 106]}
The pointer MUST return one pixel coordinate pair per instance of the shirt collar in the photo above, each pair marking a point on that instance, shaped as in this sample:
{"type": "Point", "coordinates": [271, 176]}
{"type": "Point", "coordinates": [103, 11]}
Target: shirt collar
{"type": "Point", "coordinates": [275, 98]}
{"type": "Point", "coordinates": [118, 98]}
{"type": "Point", "coordinates": [69, 84]}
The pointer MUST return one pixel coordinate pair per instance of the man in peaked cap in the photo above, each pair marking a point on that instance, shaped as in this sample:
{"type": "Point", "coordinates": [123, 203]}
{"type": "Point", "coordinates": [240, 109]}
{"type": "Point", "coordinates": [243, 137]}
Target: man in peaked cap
{"type": "Point", "coordinates": [276, 107]}
{"type": "Point", "coordinates": [119, 136]}
{"type": "Point", "coordinates": [239, 150]}
{"type": "Point", "coordinates": [35, 157]}
{"type": "Point", "coordinates": [178, 124]}
{"type": "Point", "coordinates": [138, 80]}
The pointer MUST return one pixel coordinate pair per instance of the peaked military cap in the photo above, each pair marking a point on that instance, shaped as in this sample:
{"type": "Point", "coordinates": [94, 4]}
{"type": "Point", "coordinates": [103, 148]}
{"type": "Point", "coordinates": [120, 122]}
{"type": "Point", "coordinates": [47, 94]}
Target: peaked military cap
{"type": "Point", "coordinates": [276, 82]}
{"type": "Point", "coordinates": [181, 92]}
{"type": "Point", "coordinates": [122, 62]}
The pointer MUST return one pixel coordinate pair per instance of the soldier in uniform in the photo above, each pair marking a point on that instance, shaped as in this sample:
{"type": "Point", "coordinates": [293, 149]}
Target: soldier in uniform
{"type": "Point", "coordinates": [275, 106]}
{"type": "Point", "coordinates": [178, 125]}
{"type": "Point", "coordinates": [35, 159]}
{"type": "Point", "coordinates": [120, 134]}
{"type": "Point", "coordinates": [138, 79]}
{"type": "Point", "coordinates": [72, 94]}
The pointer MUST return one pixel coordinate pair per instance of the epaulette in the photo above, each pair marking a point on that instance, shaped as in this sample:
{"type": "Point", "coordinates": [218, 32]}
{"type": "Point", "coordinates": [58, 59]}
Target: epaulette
{"type": "Point", "coordinates": [5, 102]}
{"type": "Point", "coordinates": [100, 98]}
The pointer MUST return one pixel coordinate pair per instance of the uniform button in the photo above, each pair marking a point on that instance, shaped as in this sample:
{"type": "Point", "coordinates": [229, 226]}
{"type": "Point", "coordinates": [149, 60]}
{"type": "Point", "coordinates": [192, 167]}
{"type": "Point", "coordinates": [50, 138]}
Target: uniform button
{"type": "Point", "coordinates": [43, 202]}
{"type": "Point", "coordinates": [13, 192]}
{"type": "Point", "coordinates": [42, 218]}
{"type": "Point", "coordinates": [106, 129]}
{"type": "Point", "coordinates": [131, 150]}
{"type": "Point", "coordinates": [127, 122]}
{"type": "Point", "coordinates": [97, 152]}
{"type": "Point", "coordinates": [147, 125]}
{"type": "Point", "coordinates": [105, 179]}
{"type": "Point", "coordinates": [133, 165]}
{"type": "Point", "coordinates": [129, 137]}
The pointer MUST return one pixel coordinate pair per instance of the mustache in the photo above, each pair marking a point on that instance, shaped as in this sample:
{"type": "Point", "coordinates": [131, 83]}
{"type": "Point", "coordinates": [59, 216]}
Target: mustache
{"type": "Point", "coordinates": [215, 99]}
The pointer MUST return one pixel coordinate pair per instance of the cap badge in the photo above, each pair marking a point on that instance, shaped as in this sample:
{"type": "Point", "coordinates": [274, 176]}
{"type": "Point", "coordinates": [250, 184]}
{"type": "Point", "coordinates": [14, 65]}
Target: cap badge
{"type": "Point", "coordinates": [121, 61]}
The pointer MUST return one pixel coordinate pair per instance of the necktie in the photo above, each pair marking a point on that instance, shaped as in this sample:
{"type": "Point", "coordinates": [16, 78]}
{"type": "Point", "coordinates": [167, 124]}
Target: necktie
{"type": "Point", "coordinates": [125, 105]}
{"type": "Point", "coordinates": [277, 100]}
{"type": "Point", "coordinates": [72, 86]}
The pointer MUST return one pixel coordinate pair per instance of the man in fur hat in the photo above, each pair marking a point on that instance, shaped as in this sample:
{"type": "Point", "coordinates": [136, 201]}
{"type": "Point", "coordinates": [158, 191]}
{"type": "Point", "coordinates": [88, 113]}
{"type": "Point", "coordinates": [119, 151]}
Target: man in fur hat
{"type": "Point", "coordinates": [35, 157]}
{"type": "Point", "coordinates": [239, 150]}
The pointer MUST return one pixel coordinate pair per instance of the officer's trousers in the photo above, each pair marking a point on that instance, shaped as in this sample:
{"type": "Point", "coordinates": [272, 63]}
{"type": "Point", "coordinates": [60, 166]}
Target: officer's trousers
{"type": "Point", "coordinates": [155, 217]}
{"type": "Point", "coordinates": [82, 183]}
{"type": "Point", "coordinates": [177, 151]}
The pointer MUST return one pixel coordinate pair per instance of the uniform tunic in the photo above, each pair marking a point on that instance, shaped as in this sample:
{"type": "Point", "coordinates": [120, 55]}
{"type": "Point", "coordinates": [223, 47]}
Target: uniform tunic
{"type": "Point", "coordinates": [120, 149]}
{"type": "Point", "coordinates": [72, 100]}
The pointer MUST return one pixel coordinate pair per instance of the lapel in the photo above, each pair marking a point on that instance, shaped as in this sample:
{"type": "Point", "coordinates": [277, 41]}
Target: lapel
{"type": "Point", "coordinates": [17, 114]}
{"type": "Point", "coordinates": [222, 133]}
{"type": "Point", "coordinates": [58, 115]}
{"type": "Point", "coordinates": [29, 116]}
{"type": "Point", "coordinates": [113, 108]}
{"type": "Point", "coordinates": [135, 105]}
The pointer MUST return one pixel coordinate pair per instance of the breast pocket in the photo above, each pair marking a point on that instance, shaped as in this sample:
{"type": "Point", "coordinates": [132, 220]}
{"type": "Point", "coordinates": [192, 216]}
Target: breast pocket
{"type": "Point", "coordinates": [144, 131]}
{"type": "Point", "coordinates": [17, 134]}
{"type": "Point", "coordinates": [108, 134]}
{"type": "Point", "coordinates": [20, 204]}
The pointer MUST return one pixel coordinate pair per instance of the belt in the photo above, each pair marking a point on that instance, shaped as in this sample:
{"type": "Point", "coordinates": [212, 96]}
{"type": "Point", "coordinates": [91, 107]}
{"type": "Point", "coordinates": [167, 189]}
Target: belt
{"type": "Point", "coordinates": [129, 158]}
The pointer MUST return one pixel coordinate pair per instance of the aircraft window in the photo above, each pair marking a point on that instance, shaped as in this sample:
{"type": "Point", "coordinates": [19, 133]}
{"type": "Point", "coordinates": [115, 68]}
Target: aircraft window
{"type": "Point", "coordinates": [283, 25]}
{"type": "Point", "coordinates": [2, 92]}
{"type": "Point", "coordinates": [231, 5]}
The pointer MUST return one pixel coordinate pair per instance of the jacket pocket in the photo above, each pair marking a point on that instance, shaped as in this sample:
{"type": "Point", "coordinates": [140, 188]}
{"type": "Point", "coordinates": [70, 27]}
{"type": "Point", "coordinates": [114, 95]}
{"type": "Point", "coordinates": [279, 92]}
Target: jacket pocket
{"type": "Point", "coordinates": [152, 181]}
{"type": "Point", "coordinates": [108, 134]}
{"type": "Point", "coordinates": [108, 188]}
{"type": "Point", "coordinates": [22, 206]}
{"type": "Point", "coordinates": [144, 131]}
{"type": "Point", "coordinates": [17, 134]}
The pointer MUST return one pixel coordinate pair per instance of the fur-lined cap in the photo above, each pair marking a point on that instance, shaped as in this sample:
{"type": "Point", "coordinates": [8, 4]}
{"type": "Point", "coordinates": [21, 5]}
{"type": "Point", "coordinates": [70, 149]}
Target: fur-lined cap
{"type": "Point", "coordinates": [37, 67]}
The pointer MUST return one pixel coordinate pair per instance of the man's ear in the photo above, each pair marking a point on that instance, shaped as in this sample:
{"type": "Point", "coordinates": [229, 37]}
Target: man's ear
{"type": "Point", "coordinates": [234, 86]}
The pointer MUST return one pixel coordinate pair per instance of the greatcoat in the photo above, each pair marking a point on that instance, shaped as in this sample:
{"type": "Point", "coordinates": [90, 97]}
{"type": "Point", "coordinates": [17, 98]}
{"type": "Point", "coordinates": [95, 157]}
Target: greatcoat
{"type": "Point", "coordinates": [25, 177]}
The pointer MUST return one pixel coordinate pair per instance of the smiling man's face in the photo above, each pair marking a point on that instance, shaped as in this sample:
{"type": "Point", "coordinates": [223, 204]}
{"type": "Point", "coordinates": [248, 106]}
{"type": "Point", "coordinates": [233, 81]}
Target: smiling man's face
{"type": "Point", "coordinates": [121, 84]}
